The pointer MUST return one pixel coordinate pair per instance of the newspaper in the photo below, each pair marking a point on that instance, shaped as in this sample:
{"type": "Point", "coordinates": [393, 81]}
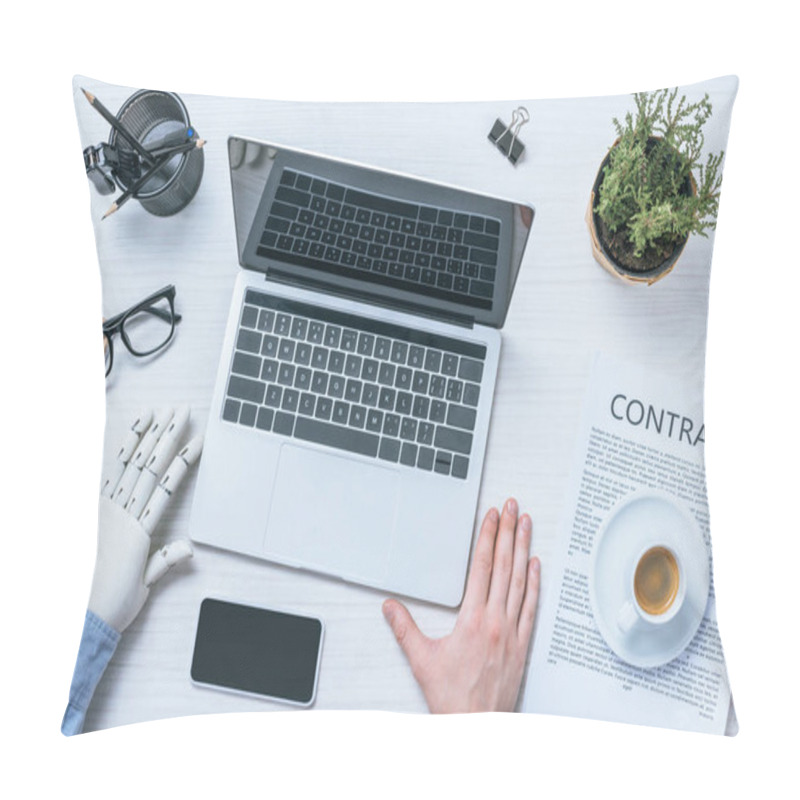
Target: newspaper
{"type": "Point", "coordinates": [639, 429]}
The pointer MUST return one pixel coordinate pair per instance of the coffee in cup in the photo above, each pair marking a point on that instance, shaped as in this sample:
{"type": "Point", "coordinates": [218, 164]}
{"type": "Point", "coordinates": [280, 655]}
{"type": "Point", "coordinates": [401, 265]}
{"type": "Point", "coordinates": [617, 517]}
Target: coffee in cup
{"type": "Point", "coordinates": [656, 589]}
{"type": "Point", "coordinates": [656, 581]}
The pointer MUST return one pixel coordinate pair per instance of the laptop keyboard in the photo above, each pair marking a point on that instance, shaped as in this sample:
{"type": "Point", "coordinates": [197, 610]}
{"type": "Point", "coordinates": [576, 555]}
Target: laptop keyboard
{"type": "Point", "coordinates": [423, 249]}
{"type": "Point", "coordinates": [355, 384]}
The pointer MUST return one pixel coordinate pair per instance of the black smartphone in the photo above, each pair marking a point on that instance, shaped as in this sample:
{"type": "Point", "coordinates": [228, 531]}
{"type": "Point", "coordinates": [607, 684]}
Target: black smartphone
{"type": "Point", "coordinates": [257, 651]}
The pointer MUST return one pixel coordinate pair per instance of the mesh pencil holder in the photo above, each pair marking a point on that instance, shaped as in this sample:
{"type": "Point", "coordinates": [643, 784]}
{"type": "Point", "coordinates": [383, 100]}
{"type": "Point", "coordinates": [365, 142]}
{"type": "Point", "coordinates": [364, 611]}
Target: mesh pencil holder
{"type": "Point", "coordinates": [149, 115]}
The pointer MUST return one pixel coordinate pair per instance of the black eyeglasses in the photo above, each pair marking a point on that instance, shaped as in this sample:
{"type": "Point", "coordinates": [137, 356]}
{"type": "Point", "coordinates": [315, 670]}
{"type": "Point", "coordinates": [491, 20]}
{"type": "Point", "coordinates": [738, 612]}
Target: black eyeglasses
{"type": "Point", "coordinates": [145, 328]}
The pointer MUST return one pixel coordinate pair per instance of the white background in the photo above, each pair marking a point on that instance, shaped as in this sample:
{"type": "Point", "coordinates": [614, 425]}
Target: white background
{"type": "Point", "coordinates": [52, 396]}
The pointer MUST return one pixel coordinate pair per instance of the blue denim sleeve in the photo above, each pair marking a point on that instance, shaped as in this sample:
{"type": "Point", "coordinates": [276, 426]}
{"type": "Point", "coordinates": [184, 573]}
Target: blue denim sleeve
{"type": "Point", "coordinates": [98, 643]}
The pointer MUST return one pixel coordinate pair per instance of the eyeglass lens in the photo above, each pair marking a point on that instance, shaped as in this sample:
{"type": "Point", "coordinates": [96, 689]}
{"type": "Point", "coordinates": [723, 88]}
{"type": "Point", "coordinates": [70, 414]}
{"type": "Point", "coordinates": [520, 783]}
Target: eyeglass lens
{"type": "Point", "coordinates": [150, 328]}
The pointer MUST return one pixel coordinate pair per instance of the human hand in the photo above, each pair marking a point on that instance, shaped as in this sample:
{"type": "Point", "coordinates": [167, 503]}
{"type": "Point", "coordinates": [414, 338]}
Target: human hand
{"type": "Point", "coordinates": [478, 667]}
{"type": "Point", "coordinates": [132, 500]}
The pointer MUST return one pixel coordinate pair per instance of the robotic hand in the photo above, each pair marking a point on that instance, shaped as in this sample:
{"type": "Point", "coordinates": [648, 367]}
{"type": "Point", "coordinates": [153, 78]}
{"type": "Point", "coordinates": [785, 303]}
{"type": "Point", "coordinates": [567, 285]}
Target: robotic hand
{"type": "Point", "coordinates": [132, 501]}
{"type": "Point", "coordinates": [133, 497]}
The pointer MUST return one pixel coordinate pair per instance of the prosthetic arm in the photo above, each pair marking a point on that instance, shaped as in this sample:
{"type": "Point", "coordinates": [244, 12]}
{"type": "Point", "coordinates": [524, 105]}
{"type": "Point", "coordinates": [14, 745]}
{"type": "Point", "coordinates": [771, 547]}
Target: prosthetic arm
{"type": "Point", "coordinates": [133, 497]}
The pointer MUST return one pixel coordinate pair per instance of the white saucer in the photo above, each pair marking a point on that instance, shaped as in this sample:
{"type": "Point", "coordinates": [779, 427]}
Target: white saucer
{"type": "Point", "coordinates": [642, 518]}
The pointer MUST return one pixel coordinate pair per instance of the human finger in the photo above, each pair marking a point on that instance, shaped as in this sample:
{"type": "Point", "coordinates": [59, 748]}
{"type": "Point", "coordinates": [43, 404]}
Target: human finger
{"type": "Point", "coordinates": [129, 444]}
{"type": "Point", "coordinates": [480, 572]}
{"type": "Point", "coordinates": [503, 555]}
{"type": "Point", "coordinates": [161, 419]}
{"type": "Point", "coordinates": [165, 558]}
{"type": "Point", "coordinates": [527, 613]}
{"type": "Point", "coordinates": [169, 484]}
{"type": "Point", "coordinates": [522, 546]}
{"type": "Point", "coordinates": [164, 451]}
{"type": "Point", "coordinates": [411, 640]}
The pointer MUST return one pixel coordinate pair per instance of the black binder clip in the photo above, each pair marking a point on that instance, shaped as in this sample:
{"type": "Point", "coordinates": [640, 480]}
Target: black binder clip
{"type": "Point", "coordinates": [505, 137]}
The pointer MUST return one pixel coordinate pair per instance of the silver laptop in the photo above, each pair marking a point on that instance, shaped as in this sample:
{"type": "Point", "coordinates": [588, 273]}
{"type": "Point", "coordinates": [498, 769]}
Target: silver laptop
{"type": "Point", "coordinates": [351, 409]}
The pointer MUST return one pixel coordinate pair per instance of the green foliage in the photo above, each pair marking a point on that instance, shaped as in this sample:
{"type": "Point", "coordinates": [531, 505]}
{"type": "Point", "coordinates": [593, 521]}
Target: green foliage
{"type": "Point", "coordinates": [646, 191]}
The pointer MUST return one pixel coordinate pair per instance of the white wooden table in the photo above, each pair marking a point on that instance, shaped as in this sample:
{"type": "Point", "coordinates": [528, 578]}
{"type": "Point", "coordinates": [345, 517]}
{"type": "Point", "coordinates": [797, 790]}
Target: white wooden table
{"type": "Point", "coordinates": [565, 307]}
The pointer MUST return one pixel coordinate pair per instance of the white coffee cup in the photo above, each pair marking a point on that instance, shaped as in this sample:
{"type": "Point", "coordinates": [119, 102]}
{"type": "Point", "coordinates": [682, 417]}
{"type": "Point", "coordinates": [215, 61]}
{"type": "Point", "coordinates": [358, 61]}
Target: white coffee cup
{"type": "Point", "coordinates": [656, 590]}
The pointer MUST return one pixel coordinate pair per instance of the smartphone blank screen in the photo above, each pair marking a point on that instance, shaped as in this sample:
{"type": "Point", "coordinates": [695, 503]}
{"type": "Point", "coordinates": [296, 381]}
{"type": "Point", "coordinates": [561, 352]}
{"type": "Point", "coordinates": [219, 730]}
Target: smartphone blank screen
{"type": "Point", "coordinates": [256, 650]}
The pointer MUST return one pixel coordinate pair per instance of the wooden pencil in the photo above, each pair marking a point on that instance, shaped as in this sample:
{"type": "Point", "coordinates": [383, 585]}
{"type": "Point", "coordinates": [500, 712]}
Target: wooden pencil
{"type": "Point", "coordinates": [118, 126]}
{"type": "Point", "coordinates": [140, 182]}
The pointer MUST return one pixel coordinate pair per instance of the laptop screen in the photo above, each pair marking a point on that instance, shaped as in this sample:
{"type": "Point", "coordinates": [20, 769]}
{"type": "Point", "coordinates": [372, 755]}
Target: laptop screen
{"type": "Point", "coordinates": [378, 236]}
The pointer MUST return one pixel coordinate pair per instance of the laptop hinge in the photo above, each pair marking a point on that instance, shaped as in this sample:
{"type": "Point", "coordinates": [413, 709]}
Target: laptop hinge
{"type": "Point", "coordinates": [462, 320]}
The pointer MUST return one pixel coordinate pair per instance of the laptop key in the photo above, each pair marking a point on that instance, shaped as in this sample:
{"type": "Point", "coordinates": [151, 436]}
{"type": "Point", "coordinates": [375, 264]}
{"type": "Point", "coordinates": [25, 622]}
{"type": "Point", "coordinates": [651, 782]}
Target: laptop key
{"type": "Point", "coordinates": [306, 405]}
{"type": "Point", "coordinates": [399, 352]}
{"type": "Point", "coordinates": [269, 346]}
{"type": "Point", "coordinates": [470, 370]}
{"type": "Point", "coordinates": [386, 374]}
{"type": "Point", "coordinates": [471, 394]}
{"type": "Point", "coordinates": [316, 331]}
{"type": "Point", "coordinates": [302, 353]}
{"type": "Point", "coordinates": [374, 420]}
{"type": "Point", "coordinates": [341, 412]}
{"type": "Point", "coordinates": [455, 389]}
{"type": "Point", "coordinates": [336, 362]}
{"type": "Point", "coordinates": [442, 462]}
{"type": "Point", "coordinates": [352, 390]}
{"type": "Point", "coordinates": [369, 371]}
{"type": "Point", "coordinates": [405, 402]}
{"type": "Point", "coordinates": [273, 396]}
{"type": "Point", "coordinates": [438, 411]}
{"type": "Point", "coordinates": [248, 415]}
{"type": "Point", "coordinates": [286, 374]}
{"type": "Point", "coordinates": [286, 350]}
{"type": "Point", "coordinates": [264, 418]}
{"type": "Point", "coordinates": [369, 397]}
{"type": "Point", "coordinates": [391, 425]}
{"type": "Point", "coordinates": [450, 364]}
{"type": "Point", "coordinates": [249, 317]}
{"type": "Point", "coordinates": [403, 378]}
{"type": "Point", "coordinates": [461, 417]}
{"type": "Point", "coordinates": [291, 398]}
{"type": "Point", "coordinates": [425, 458]}
{"type": "Point", "coordinates": [324, 408]}
{"type": "Point", "coordinates": [249, 341]}
{"type": "Point", "coordinates": [299, 328]}
{"type": "Point", "coordinates": [389, 449]}
{"type": "Point", "coordinates": [408, 429]}
{"type": "Point", "coordinates": [349, 340]}
{"type": "Point", "coordinates": [312, 430]}
{"type": "Point", "coordinates": [332, 335]}
{"type": "Point", "coordinates": [433, 360]}
{"type": "Point", "coordinates": [452, 439]}
{"type": "Point", "coordinates": [246, 389]}
{"type": "Point", "coordinates": [425, 432]}
{"type": "Point", "coordinates": [358, 416]}
{"type": "Point", "coordinates": [319, 358]}
{"type": "Point", "coordinates": [284, 423]}
{"type": "Point", "coordinates": [230, 412]}
{"type": "Point", "coordinates": [408, 454]}
{"type": "Point", "coordinates": [460, 467]}
{"type": "Point", "coordinates": [352, 366]}
{"type": "Point", "coordinates": [386, 399]}
{"type": "Point", "coordinates": [336, 386]}
{"type": "Point", "coordinates": [319, 383]}
{"type": "Point", "coordinates": [246, 364]}
{"type": "Point", "coordinates": [302, 378]}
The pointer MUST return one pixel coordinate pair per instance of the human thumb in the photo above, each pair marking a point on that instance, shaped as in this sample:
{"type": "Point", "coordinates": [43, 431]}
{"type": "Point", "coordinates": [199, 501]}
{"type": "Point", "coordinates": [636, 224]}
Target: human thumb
{"type": "Point", "coordinates": [411, 640]}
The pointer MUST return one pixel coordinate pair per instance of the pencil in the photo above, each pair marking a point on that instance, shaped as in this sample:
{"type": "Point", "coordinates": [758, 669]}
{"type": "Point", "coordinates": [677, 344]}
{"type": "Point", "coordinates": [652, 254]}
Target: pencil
{"type": "Point", "coordinates": [162, 161]}
{"type": "Point", "coordinates": [118, 126]}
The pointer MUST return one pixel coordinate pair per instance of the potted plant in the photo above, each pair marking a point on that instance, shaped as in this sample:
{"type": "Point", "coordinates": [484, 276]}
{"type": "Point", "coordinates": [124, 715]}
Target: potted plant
{"type": "Point", "coordinates": [652, 191]}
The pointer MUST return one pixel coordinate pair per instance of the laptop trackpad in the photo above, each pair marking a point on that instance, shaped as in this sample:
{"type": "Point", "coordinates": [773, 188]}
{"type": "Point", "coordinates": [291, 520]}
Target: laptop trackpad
{"type": "Point", "coordinates": [332, 514]}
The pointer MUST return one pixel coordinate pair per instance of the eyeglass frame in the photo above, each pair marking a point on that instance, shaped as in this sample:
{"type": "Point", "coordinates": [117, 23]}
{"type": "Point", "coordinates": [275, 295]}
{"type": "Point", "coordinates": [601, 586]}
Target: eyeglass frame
{"type": "Point", "coordinates": [116, 324]}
